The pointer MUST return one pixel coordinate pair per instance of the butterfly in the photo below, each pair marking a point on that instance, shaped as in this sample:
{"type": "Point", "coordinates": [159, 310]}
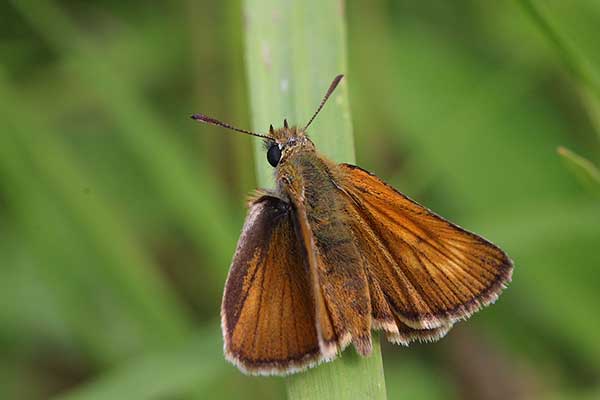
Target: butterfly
{"type": "Point", "coordinates": [333, 253]}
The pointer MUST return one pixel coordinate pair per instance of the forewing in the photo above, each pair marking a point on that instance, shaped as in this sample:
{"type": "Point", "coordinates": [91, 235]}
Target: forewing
{"type": "Point", "coordinates": [427, 272]}
{"type": "Point", "coordinates": [268, 317]}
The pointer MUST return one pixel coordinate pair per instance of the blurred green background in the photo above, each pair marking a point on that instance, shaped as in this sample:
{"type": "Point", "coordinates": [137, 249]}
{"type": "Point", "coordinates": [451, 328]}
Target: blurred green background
{"type": "Point", "coordinates": [119, 215]}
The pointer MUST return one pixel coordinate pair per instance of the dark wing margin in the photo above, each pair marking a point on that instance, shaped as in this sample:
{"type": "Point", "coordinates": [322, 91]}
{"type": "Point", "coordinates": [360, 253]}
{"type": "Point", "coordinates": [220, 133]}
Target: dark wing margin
{"type": "Point", "coordinates": [425, 273]}
{"type": "Point", "coordinates": [267, 313]}
{"type": "Point", "coordinates": [385, 319]}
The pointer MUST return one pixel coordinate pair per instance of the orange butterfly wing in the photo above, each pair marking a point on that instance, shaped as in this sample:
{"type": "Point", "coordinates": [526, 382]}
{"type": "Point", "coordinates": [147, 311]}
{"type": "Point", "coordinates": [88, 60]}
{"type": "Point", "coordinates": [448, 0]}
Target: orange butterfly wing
{"type": "Point", "coordinates": [387, 320]}
{"type": "Point", "coordinates": [267, 313]}
{"type": "Point", "coordinates": [425, 273]}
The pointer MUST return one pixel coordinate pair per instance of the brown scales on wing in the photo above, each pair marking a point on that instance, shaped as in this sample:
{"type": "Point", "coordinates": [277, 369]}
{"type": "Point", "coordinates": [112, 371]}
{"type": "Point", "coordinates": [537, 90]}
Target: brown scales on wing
{"type": "Point", "coordinates": [431, 272]}
{"type": "Point", "coordinates": [347, 253]}
{"type": "Point", "coordinates": [268, 317]}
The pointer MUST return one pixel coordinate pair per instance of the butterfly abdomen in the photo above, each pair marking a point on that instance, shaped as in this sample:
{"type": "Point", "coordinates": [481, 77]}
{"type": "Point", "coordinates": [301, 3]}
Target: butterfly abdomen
{"type": "Point", "coordinates": [339, 263]}
{"type": "Point", "coordinates": [325, 209]}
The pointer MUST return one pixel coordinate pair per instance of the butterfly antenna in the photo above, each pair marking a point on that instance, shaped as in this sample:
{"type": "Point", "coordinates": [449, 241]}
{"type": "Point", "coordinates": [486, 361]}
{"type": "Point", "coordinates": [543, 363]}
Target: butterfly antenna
{"type": "Point", "coordinates": [212, 121]}
{"type": "Point", "coordinates": [332, 87]}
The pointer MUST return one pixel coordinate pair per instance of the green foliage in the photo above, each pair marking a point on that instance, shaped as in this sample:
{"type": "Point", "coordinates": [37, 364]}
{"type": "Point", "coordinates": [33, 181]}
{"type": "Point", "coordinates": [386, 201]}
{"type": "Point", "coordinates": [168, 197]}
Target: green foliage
{"type": "Point", "coordinates": [282, 86]}
{"type": "Point", "coordinates": [584, 169]}
{"type": "Point", "coordinates": [178, 367]}
{"type": "Point", "coordinates": [119, 215]}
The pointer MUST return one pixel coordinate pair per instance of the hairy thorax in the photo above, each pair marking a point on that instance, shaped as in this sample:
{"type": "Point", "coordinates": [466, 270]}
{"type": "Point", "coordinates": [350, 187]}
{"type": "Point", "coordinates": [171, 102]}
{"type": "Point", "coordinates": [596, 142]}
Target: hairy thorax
{"type": "Point", "coordinates": [324, 204]}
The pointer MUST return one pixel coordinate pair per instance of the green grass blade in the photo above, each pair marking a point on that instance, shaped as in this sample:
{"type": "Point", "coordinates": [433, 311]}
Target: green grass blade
{"type": "Point", "coordinates": [127, 266]}
{"type": "Point", "coordinates": [568, 28]}
{"type": "Point", "coordinates": [351, 377]}
{"type": "Point", "coordinates": [578, 65]}
{"type": "Point", "coordinates": [200, 208]}
{"type": "Point", "coordinates": [293, 51]}
{"type": "Point", "coordinates": [163, 374]}
{"type": "Point", "coordinates": [585, 171]}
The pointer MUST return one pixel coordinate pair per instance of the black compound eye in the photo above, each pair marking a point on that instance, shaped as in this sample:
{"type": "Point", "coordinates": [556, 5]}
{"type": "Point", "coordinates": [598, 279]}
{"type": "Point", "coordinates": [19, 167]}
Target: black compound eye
{"type": "Point", "coordinates": [274, 154]}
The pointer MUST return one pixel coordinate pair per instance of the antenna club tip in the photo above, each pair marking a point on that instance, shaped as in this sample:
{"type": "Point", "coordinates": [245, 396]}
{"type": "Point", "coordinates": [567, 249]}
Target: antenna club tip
{"type": "Point", "coordinates": [203, 118]}
{"type": "Point", "coordinates": [332, 87]}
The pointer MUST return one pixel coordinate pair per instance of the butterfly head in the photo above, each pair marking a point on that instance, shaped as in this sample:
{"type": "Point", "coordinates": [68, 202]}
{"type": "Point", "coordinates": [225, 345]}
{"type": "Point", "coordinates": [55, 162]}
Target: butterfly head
{"type": "Point", "coordinates": [285, 141]}
{"type": "Point", "coordinates": [282, 142]}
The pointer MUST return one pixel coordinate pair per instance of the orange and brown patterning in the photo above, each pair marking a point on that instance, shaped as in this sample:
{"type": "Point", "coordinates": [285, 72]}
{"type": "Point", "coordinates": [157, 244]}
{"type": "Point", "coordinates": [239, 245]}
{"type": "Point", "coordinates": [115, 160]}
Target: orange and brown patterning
{"type": "Point", "coordinates": [333, 253]}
